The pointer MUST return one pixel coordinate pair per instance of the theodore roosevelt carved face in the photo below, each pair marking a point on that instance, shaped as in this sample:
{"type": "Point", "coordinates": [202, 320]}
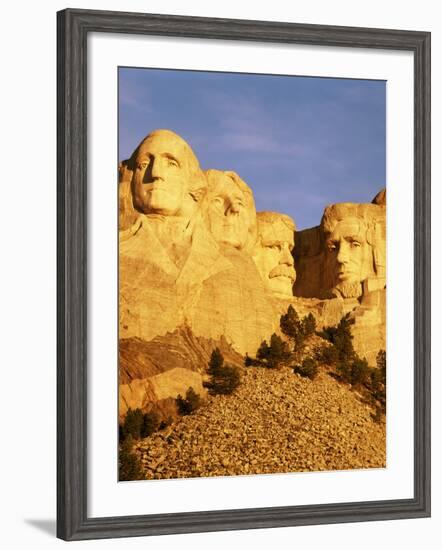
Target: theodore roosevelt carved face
{"type": "Point", "coordinates": [273, 252]}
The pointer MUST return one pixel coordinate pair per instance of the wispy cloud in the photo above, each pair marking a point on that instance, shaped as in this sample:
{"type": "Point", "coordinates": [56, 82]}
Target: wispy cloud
{"type": "Point", "coordinates": [246, 126]}
{"type": "Point", "coordinates": [135, 97]}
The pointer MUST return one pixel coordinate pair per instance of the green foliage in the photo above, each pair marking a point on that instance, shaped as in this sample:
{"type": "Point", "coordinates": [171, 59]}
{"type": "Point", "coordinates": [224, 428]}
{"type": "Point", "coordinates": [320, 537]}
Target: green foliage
{"type": "Point", "coordinates": [133, 424]}
{"type": "Point", "coordinates": [271, 356]}
{"type": "Point", "coordinates": [250, 362]}
{"type": "Point", "coordinates": [290, 323]}
{"type": "Point", "coordinates": [216, 362]}
{"type": "Point", "coordinates": [341, 338]}
{"type": "Point", "coordinates": [360, 372]}
{"type": "Point", "coordinates": [129, 467]}
{"type": "Point", "coordinates": [191, 403]}
{"type": "Point", "coordinates": [328, 355]}
{"type": "Point", "coordinates": [151, 423]}
{"type": "Point", "coordinates": [381, 362]}
{"type": "Point", "coordinates": [309, 325]}
{"type": "Point", "coordinates": [138, 425]}
{"type": "Point", "coordinates": [296, 329]}
{"type": "Point", "coordinates": [224, 379]}
{"type": "Point", "coordinates": [308, 368]}
{"type": "Point", "coordinates": [263, 351]}
{"type": "Point", "coordinates": [351, 368]}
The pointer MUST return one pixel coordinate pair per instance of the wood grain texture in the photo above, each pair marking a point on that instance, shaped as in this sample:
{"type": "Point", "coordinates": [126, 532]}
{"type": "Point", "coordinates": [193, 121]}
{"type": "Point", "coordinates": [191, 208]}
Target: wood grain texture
{"type": "Point", "coordinates": [72, 29]}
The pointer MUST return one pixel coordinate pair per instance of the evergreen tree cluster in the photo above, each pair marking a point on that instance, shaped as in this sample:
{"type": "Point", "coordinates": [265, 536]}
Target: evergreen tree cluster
{"type": "Point", "coordinates": [273, 354]}
{"type": "Point", "coordinates": [129, 466]}
{"type": "Point", "coordinates": [224, 379]}
{"type": "Point", "coordinates": [190, 403]}
{"type": "Point", "coordinates": [350, 367]}
{"type": "Point", "coordinates": [308, 368]}
{"type": "Point", "coordinates": [278, 351]}
{"type": "Point", "coordinates": [138, 424]}
{"type": "Point", "coordinates": [296, 329]}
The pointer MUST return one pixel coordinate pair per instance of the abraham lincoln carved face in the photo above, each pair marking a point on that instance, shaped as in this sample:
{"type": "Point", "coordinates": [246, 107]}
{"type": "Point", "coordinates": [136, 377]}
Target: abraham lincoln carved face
{"type": "Point", "coordinates": [349, 232]}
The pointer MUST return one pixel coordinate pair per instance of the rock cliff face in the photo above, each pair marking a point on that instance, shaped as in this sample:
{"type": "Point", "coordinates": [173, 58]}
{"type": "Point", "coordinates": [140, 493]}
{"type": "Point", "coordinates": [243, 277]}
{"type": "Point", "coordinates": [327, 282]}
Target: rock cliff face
{"type": "Point", "coordinates": [154, 372]}
{"type": "Point", "coordinates": [194, 253]}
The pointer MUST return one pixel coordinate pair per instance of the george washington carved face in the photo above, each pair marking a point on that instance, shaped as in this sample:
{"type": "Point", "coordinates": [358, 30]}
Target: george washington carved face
{"type": "Point", "coordinates": [166, 175]}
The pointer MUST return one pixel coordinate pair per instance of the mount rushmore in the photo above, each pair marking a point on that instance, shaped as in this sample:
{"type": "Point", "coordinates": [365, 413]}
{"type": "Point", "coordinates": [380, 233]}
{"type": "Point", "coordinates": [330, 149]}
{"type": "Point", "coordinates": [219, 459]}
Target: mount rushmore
{"type": "Point", "coordinates": [195, 254]}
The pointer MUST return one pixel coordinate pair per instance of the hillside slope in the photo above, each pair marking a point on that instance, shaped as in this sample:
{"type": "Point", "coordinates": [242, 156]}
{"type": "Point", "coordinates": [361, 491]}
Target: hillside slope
{"type": "Point", "coordinates": [275, 421]}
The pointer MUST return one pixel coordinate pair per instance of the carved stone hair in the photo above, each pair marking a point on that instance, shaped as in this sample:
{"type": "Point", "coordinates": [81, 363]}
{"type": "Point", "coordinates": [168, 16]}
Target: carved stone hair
{"type": "Point", "coordinates": [276, 217]}
{"type": "Point", "coordinates": [371, 216]}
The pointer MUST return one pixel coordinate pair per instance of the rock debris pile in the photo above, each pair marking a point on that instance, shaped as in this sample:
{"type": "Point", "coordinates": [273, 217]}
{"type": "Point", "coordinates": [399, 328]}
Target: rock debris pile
{"type": "Point", "coordinates": [275, 422]}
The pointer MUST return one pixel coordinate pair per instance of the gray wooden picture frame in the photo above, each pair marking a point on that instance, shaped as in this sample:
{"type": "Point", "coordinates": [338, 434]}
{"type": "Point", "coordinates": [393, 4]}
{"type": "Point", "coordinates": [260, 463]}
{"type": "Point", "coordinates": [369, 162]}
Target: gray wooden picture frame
{"type": "Point", "coordinates": [73, 27]}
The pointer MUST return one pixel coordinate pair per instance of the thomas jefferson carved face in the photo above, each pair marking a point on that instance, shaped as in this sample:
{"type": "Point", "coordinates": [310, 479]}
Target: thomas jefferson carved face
{"type": "Point", "coordinates": [230, 210]}
{"type": "Point", "coordinates": [273, 252]}
{"type": "Point", "coordinates": [160, 182]}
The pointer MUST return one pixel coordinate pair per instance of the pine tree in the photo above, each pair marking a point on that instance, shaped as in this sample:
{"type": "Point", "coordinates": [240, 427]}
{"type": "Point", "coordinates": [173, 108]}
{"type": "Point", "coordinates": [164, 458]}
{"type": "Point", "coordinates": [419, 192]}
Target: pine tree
{"type": "Point", "coordinates": [150, 424]}
{"type": "Point", "coordinates": [216, 362]}
{"type": "Point", "coordinates": [381, 362]}
{"type": "Point", "coordinates": [133, 424]}
{"type": "Point", "coordinates": [308, 368]}
{"type": "Point", "coordinates": [263, 352]}
{"type": "Point", "coordinates": [129, 467]}
{"type": "Point", "coordinates": [278, 351]}
{"type": "Point", "coordinates": [290, 323]}
{"type": "Point", "coordinates": [308, 325]}
{"type": "Point", "coordinates": [190, 403]}
{"type": "Point", "coordinates": [297, 330]}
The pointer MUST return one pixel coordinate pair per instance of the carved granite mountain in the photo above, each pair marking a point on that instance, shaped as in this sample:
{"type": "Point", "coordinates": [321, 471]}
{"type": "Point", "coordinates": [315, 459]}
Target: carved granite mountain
{"type": "Point", "coordinates": [194, 253]}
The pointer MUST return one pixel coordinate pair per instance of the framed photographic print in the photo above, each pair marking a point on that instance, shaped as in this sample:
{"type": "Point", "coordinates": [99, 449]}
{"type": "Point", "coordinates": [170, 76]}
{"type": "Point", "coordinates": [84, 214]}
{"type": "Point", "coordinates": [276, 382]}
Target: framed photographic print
{"type": "Point", "coordinates": [243, 274]}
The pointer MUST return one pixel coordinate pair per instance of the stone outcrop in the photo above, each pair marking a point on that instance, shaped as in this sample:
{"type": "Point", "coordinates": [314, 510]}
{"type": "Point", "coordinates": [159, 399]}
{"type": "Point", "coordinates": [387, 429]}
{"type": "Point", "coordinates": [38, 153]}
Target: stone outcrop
{"type": "Point", "coordinates": [380, 198]}
{"type": "Point", "coordinates": [155, 371]}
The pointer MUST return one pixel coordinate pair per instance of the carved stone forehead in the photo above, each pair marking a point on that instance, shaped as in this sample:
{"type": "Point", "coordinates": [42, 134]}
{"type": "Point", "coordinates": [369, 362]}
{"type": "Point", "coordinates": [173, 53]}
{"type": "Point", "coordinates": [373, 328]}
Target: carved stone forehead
{"type": "Point", "coordinates": [365, 214]}
{"type": "Point", "coordinates": [221, 182]}
{"type": "Point", "coordinates": [349, 226]}
{"type": "Point", "coordinates": [276, 231]}
{"type": "Point", "coordinates": [230, 183]}
{"type": "Point", "coordinates": [164, 141]}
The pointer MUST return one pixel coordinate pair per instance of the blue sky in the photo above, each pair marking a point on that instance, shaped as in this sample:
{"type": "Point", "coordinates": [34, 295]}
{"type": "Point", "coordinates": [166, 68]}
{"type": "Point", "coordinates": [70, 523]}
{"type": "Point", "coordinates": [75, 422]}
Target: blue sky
{"type": "Point", "coordinates": [299, 142]}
